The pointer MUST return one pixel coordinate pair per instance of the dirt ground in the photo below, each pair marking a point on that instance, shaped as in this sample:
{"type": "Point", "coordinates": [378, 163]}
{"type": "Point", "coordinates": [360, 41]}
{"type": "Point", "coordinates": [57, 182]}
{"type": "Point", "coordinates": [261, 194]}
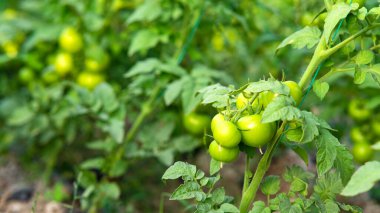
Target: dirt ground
{"type": "Point", "coordinates": [20, 194]}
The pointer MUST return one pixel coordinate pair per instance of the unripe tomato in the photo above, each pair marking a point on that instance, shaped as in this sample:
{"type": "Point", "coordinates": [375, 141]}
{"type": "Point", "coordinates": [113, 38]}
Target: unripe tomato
{"type": "Point", "coordinates": [216, 119]}
{"type": "Point", "coordinates": [295, 91]}
{"type": "Point", "coordinates": [89, 80]}
{"type": "Point", "coordinates": [267, 97]}
{"type": "Point", "coordinates": [254, 133]}
{"type": "Point", "coordinates": [242, 101]}
{"type": "Point", "coordinates": [358, 111]}
{"type": "Point", "coordinates": [357, 135]}
{"type": "Point", "coordinates": [217, 41]}
{"type": "Point", "coordinates": [226, 133]}
{"type": "Point", "coordinates": [362, 152]}
{"type": "Point", "coordinates": [93, 65]}
{"type": "Point", "coordinates": [196, 123]}
{"type": "Point", "coordinates": [63, 63]}
{"type": "Point", "coordinates": [26, 75]}
{"type": "Point", "coordinates": [307, 19]}
{"type": "Point", "coordinates": [360, 2]}
{"type": "Point", "coordinates": [223, 154]}
{"type": "Point", "coordinates": [375, 125]}
{"type": "Point", "coordinates": [96, 59]}
{"type": "Point", "coordinates": [70, 40]}
{"type": "Point", "coordinates": [10, 49]}
{"type": "Point", "coordinates": [9, 14]}
{"type": "Point", "coordinates": [50, 77]}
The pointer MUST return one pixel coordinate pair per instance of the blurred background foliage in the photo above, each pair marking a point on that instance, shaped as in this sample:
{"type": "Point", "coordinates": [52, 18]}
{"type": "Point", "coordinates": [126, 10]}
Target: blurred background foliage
{"type": "Point", "coordinates": [95, 91]}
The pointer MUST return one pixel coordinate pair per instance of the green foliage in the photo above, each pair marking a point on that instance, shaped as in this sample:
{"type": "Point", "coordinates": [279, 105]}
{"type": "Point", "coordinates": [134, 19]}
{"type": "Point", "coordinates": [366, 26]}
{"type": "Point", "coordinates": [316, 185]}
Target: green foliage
{"type": "Point", "coordinates": [194, 187]}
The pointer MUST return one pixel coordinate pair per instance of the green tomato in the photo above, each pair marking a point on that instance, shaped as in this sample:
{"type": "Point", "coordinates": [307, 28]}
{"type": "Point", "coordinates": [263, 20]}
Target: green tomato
{"type": "Point", "coordinates": [26, 75]}
{"type": "Point", "coordinates": [358, 111]}
{"type": "Point", "coordinates": [254, 133]}
{"type": "Point", "coordinates": [70, 40]}
{"type": "Point", "coordinates": [357, 135]}
{"type": "Point", "coordinates": [63, 63]}
{"type": "Point", "coordinates": [295, 91]}
{"type": "Point", "coordinates": [89, 80]}
{"type": "Point", "coordinates": [267, 97]}
{"type": "Point", "coordinates": [196, 123]}
{"type": "Point", "coordinates": [226, 133]}
{"type": "Point", "coordinates": [362, 152]}
{"type": "Point", "coordinates": [216, 119]}
{"type": "Point", "coordinates": [223, 154]}
{"type": "Point", "coordinates": [50, 77]}
{"type": "Point", "coordinates": [242, 101]}
{"type": "Point", "coordinates": [375, 125]}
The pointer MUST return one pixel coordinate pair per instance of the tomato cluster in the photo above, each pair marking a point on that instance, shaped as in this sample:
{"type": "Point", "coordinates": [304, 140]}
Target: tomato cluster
{"type": "Point", "coordinates": [73, 60]}
{"type": "Point", "coordinates": [247, 127]}
{"type": "Point", "coordinates": [365, 132]}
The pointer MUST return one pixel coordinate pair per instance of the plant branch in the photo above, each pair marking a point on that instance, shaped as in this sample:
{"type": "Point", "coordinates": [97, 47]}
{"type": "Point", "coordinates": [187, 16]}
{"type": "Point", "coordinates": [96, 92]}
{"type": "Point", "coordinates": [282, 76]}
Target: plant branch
{"type": "Point", "coordinates": [262, 167]}
{"type": "Point", "coordinates": [337, 47]}
{"type": "Point", "coordinates": [246, 173]}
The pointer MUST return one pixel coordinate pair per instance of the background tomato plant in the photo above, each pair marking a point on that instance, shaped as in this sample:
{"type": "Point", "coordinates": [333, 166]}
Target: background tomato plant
{"type": "Point", "coordinates": [105, 93]}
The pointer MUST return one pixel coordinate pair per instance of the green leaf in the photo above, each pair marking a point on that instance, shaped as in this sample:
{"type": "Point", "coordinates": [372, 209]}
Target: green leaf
{"type": "Point", "coordinates": [326, 144]}
{"type": "Point", "coordinates": [20, 116]}
{"type": "Point", "coordinates": [270, 185]}
{"type": "Point", "coordinates": [331, 206]}
{"type": "Point", "coordinates": [320, 89]}
{"type": "Point", "coordinates": [172, 91]}
{"type": "Point", "coordinates": [143, 67]}
{"type": "Point", "coordinates": [218, 195]}
{"type": "Point", "coordinates": [306, 37]}
{"type": "Point", "coordinates": [298, 185]}
{"type": "Point", "coordinates": [188, 190]}
{"type": "Point", "coordinates": [180, 169]}
{"type": "Point", "coordinates": [216, 94]}
{"type": "Point", "coordinates": [110, 190]}
{"type": "Point", "coordinates": [165, 156]}
{"type": "Point", "coordinates": [364, 57]}
{"type": "Point", "coordinates": [376, 146]}
{"type": "Point", "coordinates": [268, 85]}
{"type": "Point", "coordinates": [359, 76]}
{"type": "Point", "coordinates": [189, 98]}
{"type": "Point", "coordinates": [375, 12]}
{"type": "Point", "coordinates": [148, 11]}
{"type": "Point", "coordinates": [302, 153]}
{"type": "Point", "coordinates": [328, 186]}
{"type": "Point", "coordinates": [338, 11]}
{"type": "Point", "coordinates": [215, 166]}
{"type": "Point", "coordinates": [344, 163]}
{"type": "Point", "coordinates": [362, 13]}
{"type": "Point", "coordinates": [145, 40]}
{"type": "Point", "coordinates": [260, 207]}
{"type": "Point", "coordinates": [116, 129]}
{"type": "Point", "coordinates": [94, 163]}
{"type": "Point", "coordinates": [310, 126]}
{"type": "Point", "coordinates": [281, 108]}
{"type": "Point", "coordinates": [363, 179]}
{"type": "Point", "coordinates": [227, 207]}
{"type": "Point", "coordinates": [296, 172]}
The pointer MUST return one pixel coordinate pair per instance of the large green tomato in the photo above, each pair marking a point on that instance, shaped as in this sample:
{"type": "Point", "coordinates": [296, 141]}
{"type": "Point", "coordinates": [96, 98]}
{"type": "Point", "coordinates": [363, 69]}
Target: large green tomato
{"type": "Point", "coordinates": [70, 40]}
{"type": "Point", "coordinates": [362, 152]}
{"type": "Point", "coordinates": [196, 123]}
{"type": "Point", "coordinates": [215, 120]}
{"type": "Point", "coordinates": [255, 133]}
{"type": "Point", "coordinates": [63, 63]}
{"type": "Point", "coordinates": [357, 135]}
{"type": "Point", "coordinates": [226, 133]}
{"type": "Point", "coordinates": [358, 111]}
{"type": "Point", "coordinates": [295, 91]}
{"type": "Point", "coordinates": [223, 154]}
